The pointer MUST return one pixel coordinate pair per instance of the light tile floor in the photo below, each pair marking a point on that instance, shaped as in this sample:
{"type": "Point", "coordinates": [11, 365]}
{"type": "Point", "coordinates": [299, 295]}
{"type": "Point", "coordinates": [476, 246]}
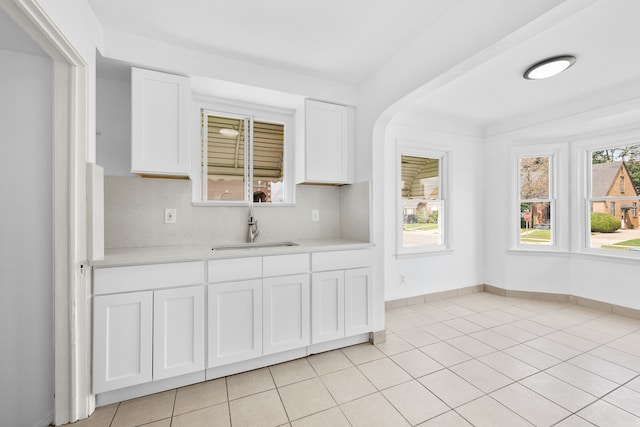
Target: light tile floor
{"type": "Point", "coordinates": [479, 359]}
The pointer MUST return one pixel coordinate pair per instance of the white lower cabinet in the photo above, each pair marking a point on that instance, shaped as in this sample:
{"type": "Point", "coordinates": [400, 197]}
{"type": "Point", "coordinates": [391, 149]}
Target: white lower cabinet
{"type": "Point", "coordinates": [178, 331]}
{"type": "Point", "coordinates": [327, 307]}
{"type": "Point", "coordinates": [144, 336]}
{"type": "Point", "coordinates": [235, 322]}
{"type": "Point", "coordinates": [286, 319]}
{"type": "Point", "coordinates": [358, 301]}
{"type": "Point", "coordinates": [149, 320]}
{"type": "Point", "coordinates": [342, 304]}
{"type": "Point", "coordinates": [148, 323]}
{"type": "Point", "coordinates": [122, 340]}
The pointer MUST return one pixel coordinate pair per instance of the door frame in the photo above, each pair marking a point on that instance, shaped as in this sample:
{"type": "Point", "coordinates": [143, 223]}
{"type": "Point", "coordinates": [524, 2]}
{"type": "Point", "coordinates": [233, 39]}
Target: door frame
{"type": "Point", "coordinates": [72, 291]}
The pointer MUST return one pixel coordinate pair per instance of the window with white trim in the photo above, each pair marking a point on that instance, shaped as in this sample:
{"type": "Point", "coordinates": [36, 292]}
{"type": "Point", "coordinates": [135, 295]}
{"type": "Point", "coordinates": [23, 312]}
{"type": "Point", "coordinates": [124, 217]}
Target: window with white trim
{"type": "Point", "coordinates": [536, 201]}
{"type": "Point", "coordinates": [421, 201]}
{"type": "Point", "coordinates": [243, 156]}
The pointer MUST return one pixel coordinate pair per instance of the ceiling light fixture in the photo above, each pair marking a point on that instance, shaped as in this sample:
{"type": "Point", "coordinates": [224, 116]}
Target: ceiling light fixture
{"type": "Point", "coordinates": [228, 132]}
{"type": "Point", "coordinates": [549, 67]}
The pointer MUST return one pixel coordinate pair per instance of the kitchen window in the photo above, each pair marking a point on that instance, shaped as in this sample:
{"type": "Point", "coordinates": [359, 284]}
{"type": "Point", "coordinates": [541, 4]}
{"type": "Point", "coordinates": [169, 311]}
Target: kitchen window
{"type": "Point", "coordinates": [243, 156]}
{"type": "Point", "coordinates": [421, 202]}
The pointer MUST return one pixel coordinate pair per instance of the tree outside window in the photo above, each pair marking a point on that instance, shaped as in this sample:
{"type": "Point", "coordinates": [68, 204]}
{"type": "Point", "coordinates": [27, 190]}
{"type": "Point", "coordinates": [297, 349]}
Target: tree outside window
{"type": "Point", "coordinates": [536, 203]}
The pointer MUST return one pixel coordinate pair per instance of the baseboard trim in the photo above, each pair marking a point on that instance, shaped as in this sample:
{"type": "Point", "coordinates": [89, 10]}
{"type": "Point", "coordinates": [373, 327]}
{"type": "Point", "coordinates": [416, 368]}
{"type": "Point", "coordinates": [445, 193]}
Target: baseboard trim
{"type": "Point", "coordinates": [541, 296]}
{"type": "Point", "coordinates": [436, 296]}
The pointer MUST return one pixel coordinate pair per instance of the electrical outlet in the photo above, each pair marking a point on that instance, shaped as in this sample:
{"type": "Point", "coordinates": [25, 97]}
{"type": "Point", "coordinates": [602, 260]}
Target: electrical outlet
{"type": "Point", "coordinates": [402, 280]}
{"type": "Point", "coordinates": [315, 215]}
{"type": "Point", "coordinates": [170, 216]}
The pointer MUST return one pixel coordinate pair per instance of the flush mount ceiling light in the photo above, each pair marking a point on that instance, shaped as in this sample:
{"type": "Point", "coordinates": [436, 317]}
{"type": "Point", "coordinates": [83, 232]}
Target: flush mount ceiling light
{"type": "Point", "coordinates": [228, 132]}
{"type": "Point", "coordinates": [549, 67]}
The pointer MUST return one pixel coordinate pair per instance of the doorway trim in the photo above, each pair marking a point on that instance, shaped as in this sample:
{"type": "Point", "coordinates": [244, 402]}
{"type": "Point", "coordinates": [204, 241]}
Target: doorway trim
{"type": "Point", "coordinates": [72, 297]}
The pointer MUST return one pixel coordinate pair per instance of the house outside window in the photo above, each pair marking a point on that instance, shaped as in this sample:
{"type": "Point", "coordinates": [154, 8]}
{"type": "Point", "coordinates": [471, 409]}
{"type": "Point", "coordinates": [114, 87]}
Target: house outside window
{"type": "Point", "coordinates": [421, 200]}
{"type": "Point", "coordinates": [614, 180]}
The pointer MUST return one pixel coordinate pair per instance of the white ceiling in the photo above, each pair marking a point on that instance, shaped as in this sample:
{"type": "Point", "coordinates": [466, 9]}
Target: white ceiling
{"type": "Point", "coordinates": [343, 40]}
{"type": "Point", "coordinates": [605, 37]}
{"type": "Point", "coordinates": [348, 40]}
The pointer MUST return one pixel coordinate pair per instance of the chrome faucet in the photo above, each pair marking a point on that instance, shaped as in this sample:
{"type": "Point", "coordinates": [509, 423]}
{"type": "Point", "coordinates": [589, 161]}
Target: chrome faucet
{"type": "Point", "coordinates": [253, 227]}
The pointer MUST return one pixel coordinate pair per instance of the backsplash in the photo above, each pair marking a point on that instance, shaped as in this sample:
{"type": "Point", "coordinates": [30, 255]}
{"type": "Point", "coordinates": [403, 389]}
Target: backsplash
{"type": "Point", "coordinates": [134, 215]}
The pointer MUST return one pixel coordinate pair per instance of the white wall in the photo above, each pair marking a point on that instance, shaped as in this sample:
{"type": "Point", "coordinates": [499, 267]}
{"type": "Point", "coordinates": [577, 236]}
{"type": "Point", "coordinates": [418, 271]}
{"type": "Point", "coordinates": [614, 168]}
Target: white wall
{"type": "Point", "coordinates": [459, 266]}
{"type": "Point", "coordinates": [26, 245]}
{"type": "Point", "coordinates": [113, 127]}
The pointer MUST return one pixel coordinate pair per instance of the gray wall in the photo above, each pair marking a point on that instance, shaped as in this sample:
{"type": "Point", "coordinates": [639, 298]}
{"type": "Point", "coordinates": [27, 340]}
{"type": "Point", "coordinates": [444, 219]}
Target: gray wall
{"type": "Point", "coordinates": [26, 242]}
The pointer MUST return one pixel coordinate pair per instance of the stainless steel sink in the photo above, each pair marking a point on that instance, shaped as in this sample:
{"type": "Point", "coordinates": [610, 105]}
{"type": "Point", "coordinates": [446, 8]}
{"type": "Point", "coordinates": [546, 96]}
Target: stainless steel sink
{"type": "Point", "coordinates": [259, 245]}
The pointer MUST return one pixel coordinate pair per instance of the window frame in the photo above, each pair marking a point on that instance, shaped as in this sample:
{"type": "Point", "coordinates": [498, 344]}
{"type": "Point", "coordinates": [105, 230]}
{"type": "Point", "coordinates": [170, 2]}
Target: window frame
{"type": "Point", "coordinates": [253, 112]}
{"type": "Point", "coordinates": [558, 181]}
{"type": "Point", "coordinates": [585, 154]}
{"type": "Point", "coordinates": [416, 149]}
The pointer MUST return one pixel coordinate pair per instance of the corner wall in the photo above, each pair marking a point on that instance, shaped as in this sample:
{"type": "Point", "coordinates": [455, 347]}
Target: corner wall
{"type": "Point", "coordinates": [26, 246]}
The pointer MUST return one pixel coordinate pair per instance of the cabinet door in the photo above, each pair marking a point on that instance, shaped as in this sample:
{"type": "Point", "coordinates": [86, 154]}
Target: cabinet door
{"type": "Point", "coordinates": [178, 332]}
{"type": "Point", "coordinates": [122, 340]}
{"type": "Point", "coordinates": [235, 322]}
{"type": "Point", "coordinates": [327, 306]}
{"type": "Point", "coordinates": [358, 289]}
{"type": "Point", "coordinates": [285, 313]}
{"type": "Point", "coordinates": [328, 143]}
{"type": "Point", "coordinates": [160, 123]}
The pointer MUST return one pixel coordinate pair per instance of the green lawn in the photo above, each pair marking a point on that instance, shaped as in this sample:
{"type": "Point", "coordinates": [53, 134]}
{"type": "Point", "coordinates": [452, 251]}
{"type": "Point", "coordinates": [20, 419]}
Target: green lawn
{"type": "Point", "coordinates": [534, 236]}
{"type": "Point", "coordinates": [418, 226]}
{"type": "Point", "coordinates": [623, 246]}
{"type": "Point", "coordinates": [633, 242]}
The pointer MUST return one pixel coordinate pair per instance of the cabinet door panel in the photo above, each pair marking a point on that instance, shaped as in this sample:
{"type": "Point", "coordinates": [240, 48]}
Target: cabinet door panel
{"type": "Point", "coordinates": [235, 322]}
{"type": "Point", "coordinates": [122, 337]}
{"type": "Point", "coordinates": [358, 301]}
{"type": "Point", "coordinates": [285, 313]}
{"type": "Point", "coordinates": [160, 127]}
{"type": "Point", "coordinates": [328, 143]}
{"type": "Point", "coordinates": [178, 346]}
{"type": "Point", "coordinates": [327, 307]}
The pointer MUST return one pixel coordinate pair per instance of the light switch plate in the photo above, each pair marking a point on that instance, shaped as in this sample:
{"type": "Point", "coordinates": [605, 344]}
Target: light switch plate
{"type": "Point", "coordinates": [315, 215]}
{"type": "Point", "coordinates": [170, 216]}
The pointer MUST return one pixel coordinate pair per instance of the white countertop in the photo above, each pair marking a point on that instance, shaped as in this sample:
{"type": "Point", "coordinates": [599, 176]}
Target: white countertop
{"type": "Point", "coordinates": [163, 254]}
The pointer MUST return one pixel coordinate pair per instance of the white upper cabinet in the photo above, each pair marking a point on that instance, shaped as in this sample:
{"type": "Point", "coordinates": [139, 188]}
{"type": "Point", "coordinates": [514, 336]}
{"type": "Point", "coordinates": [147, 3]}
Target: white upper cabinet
{"type": "Point", "coordinates": [326, 147]}
{"type": "Point", "coordinates": [160, 123]}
